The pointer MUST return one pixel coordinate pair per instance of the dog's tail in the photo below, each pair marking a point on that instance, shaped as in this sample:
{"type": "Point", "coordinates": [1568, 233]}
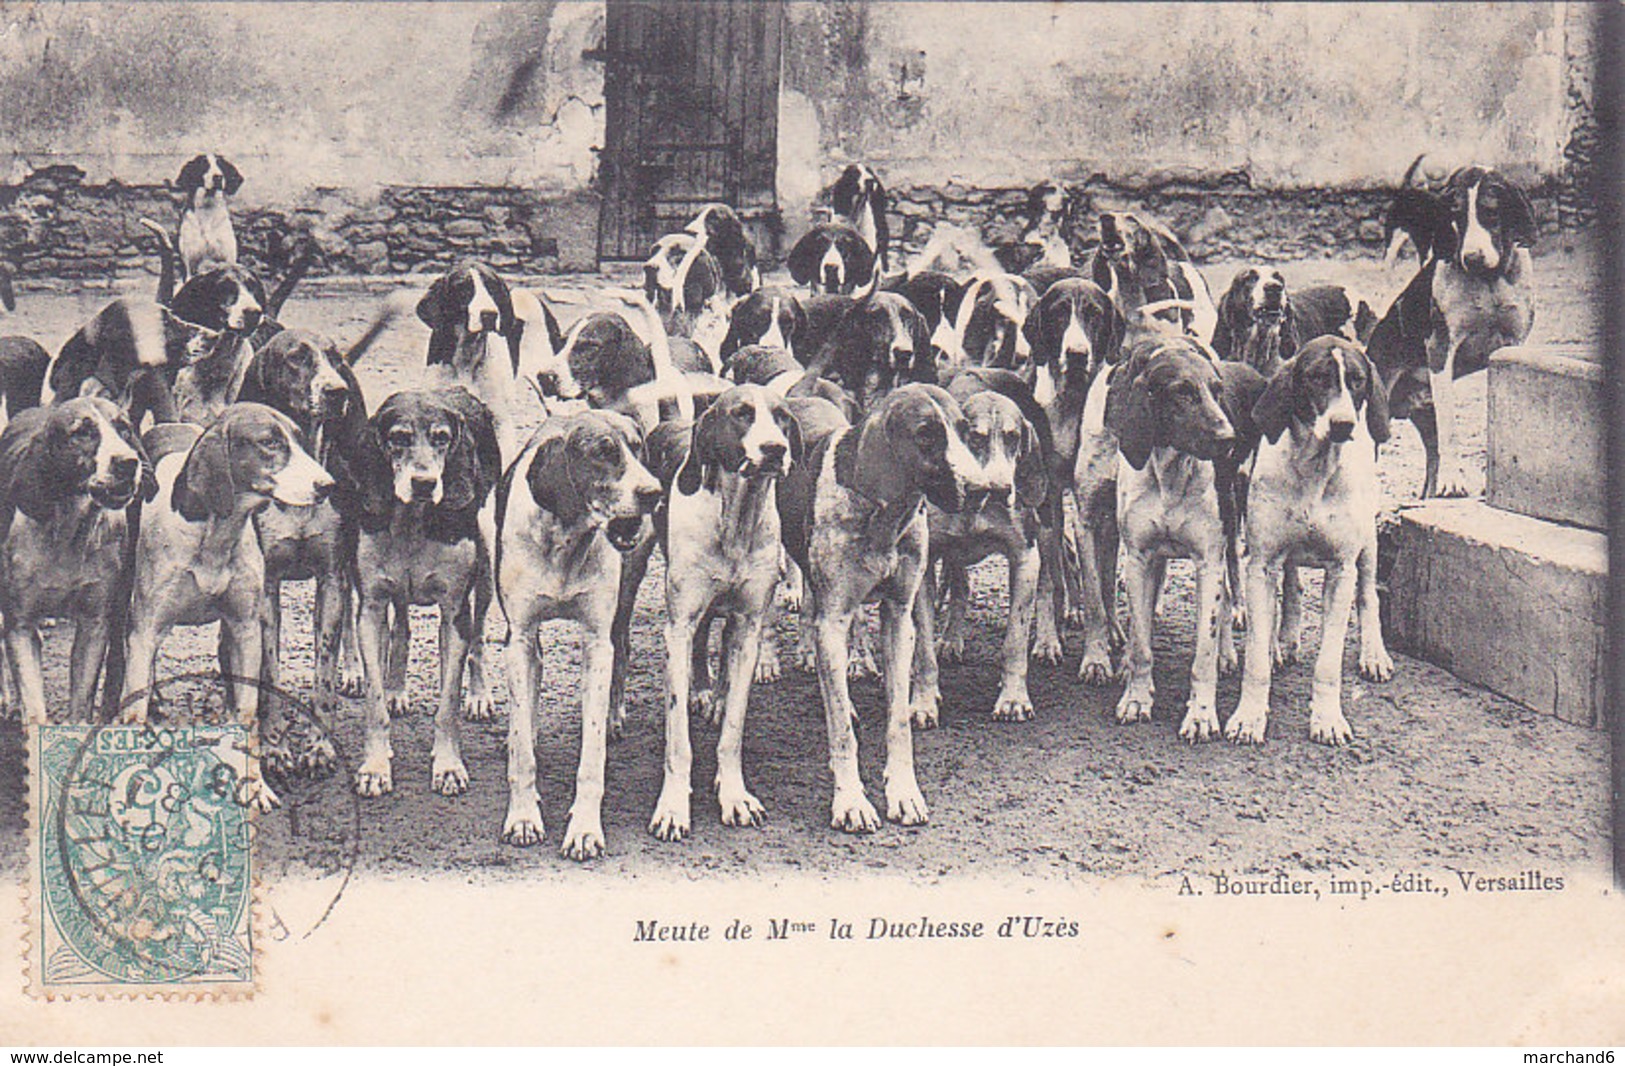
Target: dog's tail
{"type": "Point", "coordinates": [394, 306]}
{"type": "Point", "coordinates": [1410, 171]}
{"type": "Point", "coordinates": [679, 284]}
{"type": "Point", "coordinates": [168, 261]}
{"type": "Point", "coordinates": [296, 273]}
{"type": "Point", "coordinates": [8, 295]}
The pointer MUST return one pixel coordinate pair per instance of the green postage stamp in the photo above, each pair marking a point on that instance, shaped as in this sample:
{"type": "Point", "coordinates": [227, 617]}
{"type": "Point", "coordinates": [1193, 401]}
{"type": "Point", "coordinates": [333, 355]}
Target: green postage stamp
{"type": "Point", "coordinates": [140, 862]}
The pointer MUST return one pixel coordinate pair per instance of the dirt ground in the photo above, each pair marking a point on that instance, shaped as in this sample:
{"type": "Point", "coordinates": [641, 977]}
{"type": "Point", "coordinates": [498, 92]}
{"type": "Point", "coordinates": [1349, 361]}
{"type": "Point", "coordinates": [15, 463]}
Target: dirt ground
{"type": "Point", "coordinates": [1440, 773]}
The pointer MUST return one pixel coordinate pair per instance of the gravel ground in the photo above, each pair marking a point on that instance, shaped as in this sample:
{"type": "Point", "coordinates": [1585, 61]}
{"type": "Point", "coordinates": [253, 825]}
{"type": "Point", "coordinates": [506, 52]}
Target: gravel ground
{"type": "Point", "coordinates": [1440, 773]}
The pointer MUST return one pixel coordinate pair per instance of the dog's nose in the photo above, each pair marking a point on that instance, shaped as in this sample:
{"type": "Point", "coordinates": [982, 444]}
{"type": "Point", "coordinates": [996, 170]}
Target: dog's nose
{"type": "Point", "coordinates": [648, 497]}
{"type": "Point", "coordinates": [488, 321]}
{"type": "Point", "coordinates": [323, 486]}
{"type": "Point", "coordinates": [252, 318]}
{"type": "Point", "coordinates": [773, 451]}
{"type": "Point", "coordinates": [1342, 429]}
{"type": "Point", "coordinates": [422, 487]}
{"type": "Point", "coordinates": [998, 494]}
{"type": "Point", "coordinates": [125, 467]}
{"type": "Point", "coordinates": [548, 382]}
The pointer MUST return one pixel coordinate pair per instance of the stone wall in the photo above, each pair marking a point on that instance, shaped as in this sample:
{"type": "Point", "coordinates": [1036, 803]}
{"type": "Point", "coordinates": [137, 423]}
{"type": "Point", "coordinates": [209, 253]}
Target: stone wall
{"type": "Point", "coordinates": [53, 224]}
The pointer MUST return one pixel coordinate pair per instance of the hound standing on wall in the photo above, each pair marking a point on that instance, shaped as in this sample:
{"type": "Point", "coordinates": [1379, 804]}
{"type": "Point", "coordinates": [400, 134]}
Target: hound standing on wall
{"type": "Point", "coordinates": [1473, 295]}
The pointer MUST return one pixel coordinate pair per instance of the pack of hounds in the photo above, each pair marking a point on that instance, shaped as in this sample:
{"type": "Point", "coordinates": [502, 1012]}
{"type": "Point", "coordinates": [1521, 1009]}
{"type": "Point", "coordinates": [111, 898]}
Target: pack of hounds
{"type": "Point", "coordinates": [859, 434]}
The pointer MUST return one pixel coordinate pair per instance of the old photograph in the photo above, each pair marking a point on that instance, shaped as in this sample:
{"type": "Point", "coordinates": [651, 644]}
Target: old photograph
{"type": "Point", "coordinates": [548, 497]}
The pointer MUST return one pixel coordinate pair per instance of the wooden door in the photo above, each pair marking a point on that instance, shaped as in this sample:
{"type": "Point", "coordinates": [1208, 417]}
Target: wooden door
{"type": "Point", "coordinates": [691, 94]}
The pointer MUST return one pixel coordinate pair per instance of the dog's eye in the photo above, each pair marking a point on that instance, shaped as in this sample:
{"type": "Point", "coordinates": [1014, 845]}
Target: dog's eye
{"type": "Point", "coordinates": [977, 437]}
{"type": "Point", "coordinates": [400, 438]}
{"type": "Point", "coordinates": [606, 450]}
{"type": "Point", "coordinates": [743, 412]}
{"type": "Point", "coordinates": [440, 436]}
{"type": "Point", "coordinates": [1012, 440]}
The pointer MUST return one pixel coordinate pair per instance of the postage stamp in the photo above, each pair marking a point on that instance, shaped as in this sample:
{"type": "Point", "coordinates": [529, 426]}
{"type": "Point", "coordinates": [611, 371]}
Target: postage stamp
{"type": "Point", "coordinates": [141, 863]}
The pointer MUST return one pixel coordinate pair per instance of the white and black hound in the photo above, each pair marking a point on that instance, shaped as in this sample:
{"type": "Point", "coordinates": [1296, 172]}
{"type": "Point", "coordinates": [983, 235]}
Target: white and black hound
{"type": "Point", "coordinates": [1312, 499]}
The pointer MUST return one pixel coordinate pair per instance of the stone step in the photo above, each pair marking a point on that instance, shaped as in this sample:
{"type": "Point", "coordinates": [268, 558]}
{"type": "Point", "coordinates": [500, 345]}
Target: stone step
{"type": "Point", "coordinates": [1545, 435]}
{"type": "Point", "coordinates": [1512, 603]}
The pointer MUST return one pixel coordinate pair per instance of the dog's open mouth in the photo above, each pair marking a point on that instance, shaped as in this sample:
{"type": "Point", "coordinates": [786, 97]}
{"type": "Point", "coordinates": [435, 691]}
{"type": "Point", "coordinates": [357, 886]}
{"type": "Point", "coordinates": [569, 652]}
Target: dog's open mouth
{"type": "Point", "coordinates": [623, 532]}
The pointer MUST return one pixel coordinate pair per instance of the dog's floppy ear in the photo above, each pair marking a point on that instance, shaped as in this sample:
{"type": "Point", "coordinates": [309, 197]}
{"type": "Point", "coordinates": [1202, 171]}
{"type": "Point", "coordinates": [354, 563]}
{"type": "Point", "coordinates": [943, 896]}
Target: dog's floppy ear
{"type": "Point", "coordinates": [205, 487]}
{"type": "Point", "coordinates": [1129, 415]}
{"type": "Point", "coordinates": [509, 325]}
{"type": "Point", "coordinates": [434, 310]}
{"type": "Point", "coordinates": [843, 195]}
{"type": "Point", "coordinates": [1517, 217]}
{"type": "Point", "coordinates": [191, 175]}
{"type": "Point", "coordinates": [860, 258]}
{"type": "Point", "coordinates": [474, 460]}
{"type": "Point", "coordinates": [790, 426]}
{"type": "Point", "coordinates": [1232, 312]}
{"type": "Point", "coordinates": [707, 452]}
{"type": "Point", "coordinates": [1376, 401]}
{"type": "Point", "coordinates": [805, 256]}
{"type": "Point", "coordinates": [1032, 475]}
{"type": "Point", "coordinates": [30, 476]}
{"type": "Point", "coordinates": [233, 176]}
{"type": "Point", "coordinates": [1037, 336]}
{"type": "Point", "coordinates": [1272, 412]}
{"type": "Point", "coordinates": [364, 479]}
{"type": "Point", "coordinates": [552, 481]}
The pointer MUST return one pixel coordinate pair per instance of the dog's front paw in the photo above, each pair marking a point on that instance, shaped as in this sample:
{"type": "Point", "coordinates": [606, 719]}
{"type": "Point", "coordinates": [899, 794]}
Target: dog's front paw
{"type": "Point", "coordinates": [925, 709]}
{"type": "Point", "coordinates": [1201, 723]}
{"type": "Point", "coordinates": [1375, 664]}
{"type": "Point", "coordinates": [1048, 649]}
{"type": "Point", "coordinates": [256, 795]}
{"type": "Point", "coordinates": [1013, 704]}
{"type": "Point", "coordinates": [478, 708]}
{"type": "Point", "coordinates": [397, 703]}
{"type": "Point", "coordinates": [851, 812]}
{"type": "Point", "coordinates": [1247, 725]}
{"type": "Point", "coordinates": [1135, 704]}
{"type": "Point", "coordinates": [768, 667]}
{"type": "Point", "coordinates": [1452, 483]}
{"type": "Point", "coordinates": [1330, 727]}
{"type": "Point", "coordinates": [1284, 649]}
{"type": "Point", "coordinates": [951, 649]}
{"type": "Point", "coordinates": [703, 703]}
{"type": "Point", "coordinates": [523, 826]}
{"type": "Point", "coordinates": [373, 777]}
{"type": "Point", "coordinates": [905, 804]}
{"type": "Point", "coordinates": [449, 776]}
{"type": "Point", "coordinates": [318, 757]}
{"type": "Point", "coordinates": [740, 808]}
{"type": "Point", "coordinates": [583, 837]}
{"type": "Point", "coordinates": [1096, 668]}
{"type": "Point", "coordinates": [275, 758]}
{"type": "Point", "coordinates": [352, 683]}
{"type": "Point", "coordinates": [671, 817]}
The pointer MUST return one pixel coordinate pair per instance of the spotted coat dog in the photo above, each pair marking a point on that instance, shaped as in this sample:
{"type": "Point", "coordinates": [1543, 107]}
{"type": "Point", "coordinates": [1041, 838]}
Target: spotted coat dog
{"type": "Point", "coordinates": [879, 341]}
{"type": "Point", "coordinates": [570, 508]}
{"type": "Point", "coordinates": [1183, 425]}
{"type": "Point", "coordinates": [859, 199]}
{"type": "Point", "coordinates": [130, 352]}
{"type": "Point", "coordinates": [1077, 334]}
{"type": "Point", "coordinates": [1312, 499]}
{"type": "Point", "coordinates": [410, 493]}
{"type": "Point", "coordinates": [1262, 324]}
{"type": "Point", "coordinates": [68, 474]}
{"type": "Point", "coordinates": [1473, 295]}
{"type": "Point", "coordinates": [305, 376]}
{"type": "Point", "coordinates": [206, 184]}
{"type": "Point", "coordinates": [854, 520]}
{"type": "Point", "coordinates": [832, 258]}
{"type": "Point", "coordinates": [197, 558]}
{"type": "Point", "coordinates": [720, 529]}
{"type": "Point", "coordinates": [1140, 262]}
{"type": "Point", "coordinates": [1012, 448]}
